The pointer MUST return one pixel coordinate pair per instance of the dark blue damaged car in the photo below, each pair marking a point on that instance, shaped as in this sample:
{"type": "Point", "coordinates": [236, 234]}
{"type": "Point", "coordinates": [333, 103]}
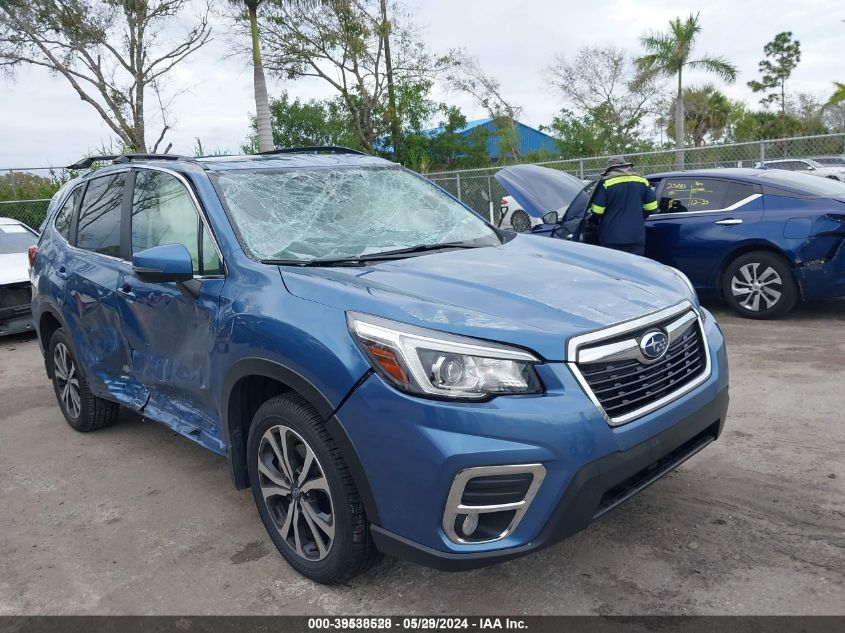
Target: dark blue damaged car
{"type": "Point", "coordinates": [762, 239]}
{"type": "Point", "coordinates": [357, 345]}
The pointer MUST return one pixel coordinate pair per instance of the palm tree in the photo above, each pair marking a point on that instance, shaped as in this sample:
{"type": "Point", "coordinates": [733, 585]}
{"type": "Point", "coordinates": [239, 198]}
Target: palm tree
{"type": "Point", "coordinates": [262, 103]}
{"type": "Point", "coordinates": [706, 111]}
{"type": "Point", "coordinates": [667, 54]}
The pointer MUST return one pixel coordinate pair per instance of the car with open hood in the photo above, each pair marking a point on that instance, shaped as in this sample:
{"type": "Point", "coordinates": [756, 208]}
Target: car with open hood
{"type": "Point", "coordinates": [762, 239]}
{"type": "Point", "coordinates": [352, 340]}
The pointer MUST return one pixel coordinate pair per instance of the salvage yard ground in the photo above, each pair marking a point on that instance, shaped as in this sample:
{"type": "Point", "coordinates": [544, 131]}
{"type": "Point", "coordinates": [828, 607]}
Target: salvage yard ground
{"type": "Point", "coordinates": [134, 519]}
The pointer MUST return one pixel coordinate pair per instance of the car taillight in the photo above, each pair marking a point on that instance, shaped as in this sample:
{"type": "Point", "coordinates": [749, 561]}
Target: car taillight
{"type": "Point", "coordinates": [31, 252]}
{"type": "Point", "coordinates": [504, 202]}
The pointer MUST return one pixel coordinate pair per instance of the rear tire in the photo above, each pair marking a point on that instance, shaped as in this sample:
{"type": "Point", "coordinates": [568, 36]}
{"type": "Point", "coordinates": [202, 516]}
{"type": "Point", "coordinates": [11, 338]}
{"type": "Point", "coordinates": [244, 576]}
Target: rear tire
{"type": "Point", "coordinates": [83, 410]}
{"type": "Point", "coordinates": [520, 222]}
{"type": "Point", "coordinates": [759, 285]}
{"type": "Point", "coordinates": [314, 517]}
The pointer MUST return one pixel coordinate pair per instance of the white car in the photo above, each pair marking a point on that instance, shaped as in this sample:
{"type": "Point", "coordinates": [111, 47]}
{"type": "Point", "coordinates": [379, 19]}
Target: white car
{"type": "Point", "coordinates": [15, 290]}
{"type": "Point", "coordinates": [514, 216]}
{"type": "Point", "coordinates": [807, 166]}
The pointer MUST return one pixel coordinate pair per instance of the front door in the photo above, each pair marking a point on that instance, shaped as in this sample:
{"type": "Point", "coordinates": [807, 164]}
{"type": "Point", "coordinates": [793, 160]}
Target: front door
{"type": "Point", "coordinates": [698, 221]}
{"type": "Point", "coordinates": [170, 326]}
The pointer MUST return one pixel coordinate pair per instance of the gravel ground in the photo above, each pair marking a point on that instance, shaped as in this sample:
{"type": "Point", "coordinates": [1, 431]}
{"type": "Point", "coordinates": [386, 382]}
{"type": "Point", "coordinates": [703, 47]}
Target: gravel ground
{"type": "Point", "coordinates": [134, 519]}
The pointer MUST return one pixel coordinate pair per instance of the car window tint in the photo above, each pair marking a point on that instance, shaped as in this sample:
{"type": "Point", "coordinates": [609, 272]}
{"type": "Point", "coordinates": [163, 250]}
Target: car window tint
{"type": "Point", "coordinates": [692, 194]}
{"type": "Point", "coordinates": [99, 217]}
{"type": "Point", "coordinates": [738, 191]}
{"type": "Point", "coordinates": [65, 214]}
{"type": "Point", "coordinates": [210, 261]}
{"type": "Point", "coordinates": [163, 213]}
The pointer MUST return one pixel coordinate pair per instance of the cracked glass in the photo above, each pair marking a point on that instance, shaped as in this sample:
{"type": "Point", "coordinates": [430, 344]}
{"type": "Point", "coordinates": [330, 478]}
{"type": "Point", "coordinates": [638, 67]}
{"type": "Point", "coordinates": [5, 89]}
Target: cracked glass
{"type": "Point", "coordinates": [337, 213]}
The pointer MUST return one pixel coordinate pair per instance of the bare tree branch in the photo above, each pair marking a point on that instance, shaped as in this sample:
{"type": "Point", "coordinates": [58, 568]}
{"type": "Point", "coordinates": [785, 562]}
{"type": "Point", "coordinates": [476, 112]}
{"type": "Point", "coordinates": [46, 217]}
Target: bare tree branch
{"type": "Point", "coordinates": [110, 52]}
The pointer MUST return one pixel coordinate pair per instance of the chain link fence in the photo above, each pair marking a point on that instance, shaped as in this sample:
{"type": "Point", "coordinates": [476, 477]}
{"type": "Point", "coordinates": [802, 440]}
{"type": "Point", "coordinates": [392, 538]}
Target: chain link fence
{"type": "Point", "coordinates": [25, 192]}
{"type": "Point", "coordinates": [479, 189]}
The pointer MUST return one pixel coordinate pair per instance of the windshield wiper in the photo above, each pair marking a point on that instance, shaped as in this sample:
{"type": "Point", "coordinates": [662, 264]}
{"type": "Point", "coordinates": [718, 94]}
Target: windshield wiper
{"type": "Point", "coordinates": [420, 248]}
{"type": "Point", "coordinates": [361, 260]}
{"type": "Point", "coordinates": [313, 262]}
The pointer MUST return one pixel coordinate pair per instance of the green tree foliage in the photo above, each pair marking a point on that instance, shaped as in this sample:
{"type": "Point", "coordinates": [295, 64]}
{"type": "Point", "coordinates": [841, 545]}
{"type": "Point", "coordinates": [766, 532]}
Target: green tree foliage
{"type": "Point", "coordinates": [342, 45]}
{"type": "Point", "coordinates": [24, 185]}
{"type": "Point", "coordinates": [782, 56]}
{"type": "Point", "coordinates": [668, 55]}
{"type": "Point", "coordinates": [114, 54]}
{"type": "Point", "coordinates": [609, 103]}
{"type": "Point", "coordinates": [707, 114]}
{"type": "Point", "coordinates": [314, 122]}
{"type": "Point", "coordinates": [446, 147]}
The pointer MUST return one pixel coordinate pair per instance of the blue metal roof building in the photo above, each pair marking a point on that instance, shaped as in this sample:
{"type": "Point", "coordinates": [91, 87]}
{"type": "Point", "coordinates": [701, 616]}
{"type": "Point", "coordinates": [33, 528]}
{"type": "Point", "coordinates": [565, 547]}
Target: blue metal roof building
{"type": "Point", "coordinates": [530, 140]}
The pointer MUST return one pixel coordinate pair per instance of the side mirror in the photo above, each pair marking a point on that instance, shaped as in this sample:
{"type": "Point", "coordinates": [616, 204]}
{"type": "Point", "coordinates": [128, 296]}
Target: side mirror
{"type": "Point", "coordinates": [169, 262]}
{"type": "Point", "coordinates": [551, 218]}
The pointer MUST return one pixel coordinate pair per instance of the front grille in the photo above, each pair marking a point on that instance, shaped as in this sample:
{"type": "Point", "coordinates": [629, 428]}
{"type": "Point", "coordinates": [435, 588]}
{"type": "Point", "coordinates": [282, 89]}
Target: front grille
{"type": "Point", "coordinates": [625, 385]}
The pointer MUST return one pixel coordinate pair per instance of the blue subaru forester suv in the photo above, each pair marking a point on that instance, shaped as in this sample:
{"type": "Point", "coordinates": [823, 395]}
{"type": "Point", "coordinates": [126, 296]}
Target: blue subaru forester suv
{"type": "Point", "coordinates": [356, 344]}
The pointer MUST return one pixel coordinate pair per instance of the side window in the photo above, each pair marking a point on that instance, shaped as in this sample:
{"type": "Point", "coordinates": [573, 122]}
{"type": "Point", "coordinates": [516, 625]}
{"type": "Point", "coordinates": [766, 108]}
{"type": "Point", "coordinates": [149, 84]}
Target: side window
{"type": "Point", "coordinates": [210, 262]}
{"type": "Point", "coordinates": [692, 194]}
{"type": "Point", "coordinates": [65, 215]}
{"type": "Point", "coordinates": [164, 213]}
{"type": "Point", "coordinates": [738, 191]}
{"type": "Point", "coordinates": [98, 228]}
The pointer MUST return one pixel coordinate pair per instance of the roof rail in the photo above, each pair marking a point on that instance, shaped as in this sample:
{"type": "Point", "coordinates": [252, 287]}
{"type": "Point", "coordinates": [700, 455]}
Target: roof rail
{"type": "Point", "coordinates": [85, 163]}
{"type": "Point", "coordinates": [312, 149]}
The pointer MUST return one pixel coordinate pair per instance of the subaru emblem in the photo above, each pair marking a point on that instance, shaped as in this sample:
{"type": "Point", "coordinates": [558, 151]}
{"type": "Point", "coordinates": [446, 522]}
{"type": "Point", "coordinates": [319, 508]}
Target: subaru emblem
{"type": "Point", "coordinates": [654, 344]}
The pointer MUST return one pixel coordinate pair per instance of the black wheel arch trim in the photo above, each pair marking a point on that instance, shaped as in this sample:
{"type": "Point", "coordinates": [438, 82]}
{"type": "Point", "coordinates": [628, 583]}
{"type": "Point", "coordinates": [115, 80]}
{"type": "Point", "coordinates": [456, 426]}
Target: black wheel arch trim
{"type": "Point", "coordinates": [322, 405]}
{"type": "Point", "coordinates": [48, 308]}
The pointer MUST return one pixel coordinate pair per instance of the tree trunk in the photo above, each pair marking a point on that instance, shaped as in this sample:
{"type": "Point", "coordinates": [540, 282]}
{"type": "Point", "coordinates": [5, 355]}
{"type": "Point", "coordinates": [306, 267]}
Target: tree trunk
{"type": "Point", "coordinates": [262, 103]}
{"type": "Point", "coordinates": [679, 125]}
{"type": "Point", "coordinates": [391, 95]}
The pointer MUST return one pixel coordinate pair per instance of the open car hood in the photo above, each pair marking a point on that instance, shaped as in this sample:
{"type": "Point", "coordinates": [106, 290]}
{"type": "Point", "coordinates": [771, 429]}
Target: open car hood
{"type": "Point", "coordinates": [539, 190]}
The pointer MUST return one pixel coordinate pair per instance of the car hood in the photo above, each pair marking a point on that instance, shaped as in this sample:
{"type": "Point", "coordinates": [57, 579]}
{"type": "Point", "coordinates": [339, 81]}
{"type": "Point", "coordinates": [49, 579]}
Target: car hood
{"type": "Point", "coordinates": [539, 189]}
{"type": "Point", "coordinates": [14, 268]}
{"type": "Point", "coordinates": [532, 291]}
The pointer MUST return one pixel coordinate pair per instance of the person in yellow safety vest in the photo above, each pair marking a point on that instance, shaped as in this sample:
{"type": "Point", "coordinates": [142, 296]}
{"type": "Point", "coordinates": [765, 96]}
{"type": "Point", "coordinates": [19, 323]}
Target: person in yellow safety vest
{"type": "Point", "coordinates": [622, 201]}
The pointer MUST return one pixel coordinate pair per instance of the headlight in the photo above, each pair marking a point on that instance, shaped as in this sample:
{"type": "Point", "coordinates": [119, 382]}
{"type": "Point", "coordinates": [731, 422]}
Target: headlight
{"type": "Point", "coordinates": [435, 364]}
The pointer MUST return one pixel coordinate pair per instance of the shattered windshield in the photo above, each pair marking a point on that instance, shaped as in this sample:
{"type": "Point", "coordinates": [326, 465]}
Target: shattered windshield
{"type": "Point", "coordinates": [314, 214]}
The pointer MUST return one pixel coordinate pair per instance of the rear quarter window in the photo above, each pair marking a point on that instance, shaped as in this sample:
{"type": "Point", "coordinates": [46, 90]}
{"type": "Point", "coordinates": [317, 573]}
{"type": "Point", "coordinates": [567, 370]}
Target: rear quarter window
{"type": "Point", "coordinates": [98, 228]}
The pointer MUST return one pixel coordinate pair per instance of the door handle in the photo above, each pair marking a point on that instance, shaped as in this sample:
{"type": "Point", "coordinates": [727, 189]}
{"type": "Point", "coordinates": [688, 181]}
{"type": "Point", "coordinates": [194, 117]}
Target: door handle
{"type": "Point", "coordinates": [729, 222]}
{"type": "Point", "coordinates": [61, 272]}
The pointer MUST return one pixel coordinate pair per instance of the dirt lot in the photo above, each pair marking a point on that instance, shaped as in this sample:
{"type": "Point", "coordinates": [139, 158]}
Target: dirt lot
{"type": "Point", "coordinates": [134, 519]}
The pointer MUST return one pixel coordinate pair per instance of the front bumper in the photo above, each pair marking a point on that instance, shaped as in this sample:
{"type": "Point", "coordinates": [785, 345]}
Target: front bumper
{"type": "Point", "coordinates": [411, 451]}
{"type": "Point", "coordinates": [15, 320]}
{"type": "Point", "coordinates": [596, 488]}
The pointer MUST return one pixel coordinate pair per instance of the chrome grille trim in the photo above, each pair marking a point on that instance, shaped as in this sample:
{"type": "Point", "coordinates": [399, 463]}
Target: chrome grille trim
{"type": "Point", "coordinates": [588, 349]}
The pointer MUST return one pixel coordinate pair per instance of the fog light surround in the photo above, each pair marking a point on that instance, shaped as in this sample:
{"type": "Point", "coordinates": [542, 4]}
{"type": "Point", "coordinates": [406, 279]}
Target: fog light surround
{"type": "Point", "coordinates": [473, 524]}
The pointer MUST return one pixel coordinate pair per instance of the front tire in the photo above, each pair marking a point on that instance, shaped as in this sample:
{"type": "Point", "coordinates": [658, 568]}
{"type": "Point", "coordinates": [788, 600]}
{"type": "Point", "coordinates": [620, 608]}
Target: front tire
{"type": "Point", "coordinates": [305, 494]}
{"type": "Point", "coordinates": [83, 410]}
{"type": "Point", "coordinates": [520, 222]}
{"type": "Point", "coordinates": [759, 285]}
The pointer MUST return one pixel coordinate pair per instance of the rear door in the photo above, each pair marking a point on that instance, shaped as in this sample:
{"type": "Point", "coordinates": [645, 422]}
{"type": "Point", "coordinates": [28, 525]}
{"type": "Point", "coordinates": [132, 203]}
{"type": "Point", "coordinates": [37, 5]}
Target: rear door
{"type": "Point", "coordinates": [170, 327]}
{"type": "Point", "coordinates": [91, 275]}
{"type": "Point", "coordinates": [698, 221]}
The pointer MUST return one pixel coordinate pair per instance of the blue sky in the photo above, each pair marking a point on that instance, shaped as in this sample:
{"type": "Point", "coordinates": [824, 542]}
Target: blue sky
{"type": "Point", "coordinates": [43, 122]}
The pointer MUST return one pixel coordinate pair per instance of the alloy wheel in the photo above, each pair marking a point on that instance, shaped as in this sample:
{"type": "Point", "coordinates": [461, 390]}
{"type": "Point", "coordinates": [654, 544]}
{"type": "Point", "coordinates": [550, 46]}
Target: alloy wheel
{"type": "Point", "coordinates": [67, 379]}
{"type": "Point", "coordinates": [520, 221]}
{"type": "Point", "coordinates": [296, 492]}
{"type": "Point", "coordinates": [755, 290]}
